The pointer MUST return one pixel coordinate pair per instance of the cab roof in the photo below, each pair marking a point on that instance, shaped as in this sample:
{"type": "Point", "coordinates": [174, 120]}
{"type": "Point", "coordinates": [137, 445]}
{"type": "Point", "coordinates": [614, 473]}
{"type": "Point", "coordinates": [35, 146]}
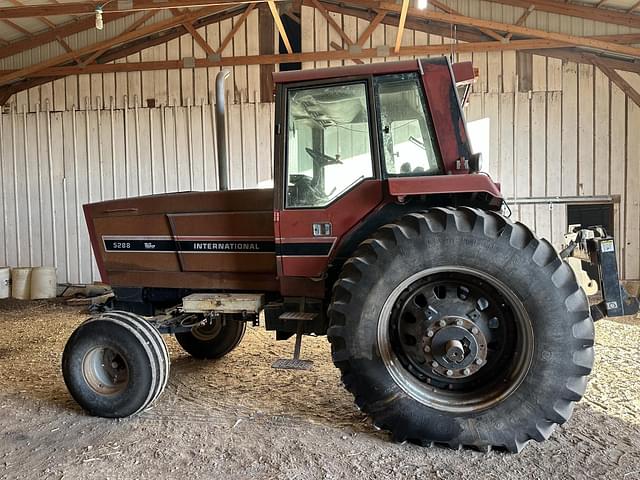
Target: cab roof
{"type": "Point", "coordinates": [463, 72]}
{"type": "Point", "coordinates": [347, 71]}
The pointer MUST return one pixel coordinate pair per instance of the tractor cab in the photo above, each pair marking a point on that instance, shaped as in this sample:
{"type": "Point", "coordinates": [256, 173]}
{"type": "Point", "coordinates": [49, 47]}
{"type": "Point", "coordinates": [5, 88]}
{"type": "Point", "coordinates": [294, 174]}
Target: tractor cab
{"type": "Point", "coordinates": [355, 139]}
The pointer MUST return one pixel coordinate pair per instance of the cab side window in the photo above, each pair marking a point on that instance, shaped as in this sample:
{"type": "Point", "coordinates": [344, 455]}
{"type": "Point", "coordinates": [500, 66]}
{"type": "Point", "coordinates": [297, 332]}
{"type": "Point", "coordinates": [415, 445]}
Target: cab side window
{"type": "Point", "coordinates": [328, 143]}
{"type": "Point", "coordinates": [407, 137]}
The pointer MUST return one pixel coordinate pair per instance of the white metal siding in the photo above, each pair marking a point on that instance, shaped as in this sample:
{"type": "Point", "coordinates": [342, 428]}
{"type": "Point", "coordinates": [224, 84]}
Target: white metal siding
{"type": "Point", "coordinates": [573, 134]}
{"type": "Point", "coordinates": [51, 163]}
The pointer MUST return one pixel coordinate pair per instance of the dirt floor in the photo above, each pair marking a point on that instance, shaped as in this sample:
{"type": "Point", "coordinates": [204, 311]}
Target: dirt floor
{"type": "Point", "coordinates": [238, 418]}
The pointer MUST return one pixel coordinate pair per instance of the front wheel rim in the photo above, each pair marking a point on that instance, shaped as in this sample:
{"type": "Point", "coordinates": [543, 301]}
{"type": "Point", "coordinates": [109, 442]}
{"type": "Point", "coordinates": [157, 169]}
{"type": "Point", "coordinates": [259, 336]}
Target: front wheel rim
{"type": "Point", "coordinates": [105, 370]}
{"type": "Point", "coordinates": [469, 346]}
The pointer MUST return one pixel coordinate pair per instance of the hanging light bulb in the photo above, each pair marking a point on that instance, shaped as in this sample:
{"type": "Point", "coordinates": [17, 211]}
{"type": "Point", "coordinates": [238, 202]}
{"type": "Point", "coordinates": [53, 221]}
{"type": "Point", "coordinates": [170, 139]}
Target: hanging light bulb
{"type": "Point", "coordinates": [99, 22]}
{"type": "Point", "coordinates": [421, 4]}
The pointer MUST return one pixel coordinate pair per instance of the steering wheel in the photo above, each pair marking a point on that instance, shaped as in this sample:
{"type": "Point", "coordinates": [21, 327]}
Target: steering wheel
{"type": "Point", "coordinates": [321, 159]}
{"type": "Point", "coordinates": [307, 194]}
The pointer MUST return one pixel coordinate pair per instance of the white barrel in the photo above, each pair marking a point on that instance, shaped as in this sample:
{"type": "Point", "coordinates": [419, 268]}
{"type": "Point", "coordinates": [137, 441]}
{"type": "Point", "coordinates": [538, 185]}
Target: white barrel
{"type": "Point", "coordinates": [43, 283]}
{"type": "Point", "coordinates": [21, 283]}
{"type": "Point", "coordinates": [5, 282]}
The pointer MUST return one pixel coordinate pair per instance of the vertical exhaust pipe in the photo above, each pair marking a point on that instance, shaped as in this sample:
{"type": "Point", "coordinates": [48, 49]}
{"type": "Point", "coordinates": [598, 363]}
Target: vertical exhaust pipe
{"type": "Point", "coordinates": [221, 131]}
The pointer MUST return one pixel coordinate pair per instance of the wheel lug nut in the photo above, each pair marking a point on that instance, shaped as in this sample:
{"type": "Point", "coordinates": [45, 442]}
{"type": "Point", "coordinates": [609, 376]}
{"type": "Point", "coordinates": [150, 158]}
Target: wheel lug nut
{"type": "Point", "coordinates": [442, 323]}
{"type": "Point", "coordinates": [479, 361]}
{"type": "Point", "coordinates": [466, 371]}
{"type": "Point", "coordinates": [449, 373]}
{"type": "Point", "coordinates": [429, 333]}
{"type": "Point", "coordinates": [114, 364]}
{"type": "Point", "coordinates": [434, 364]}
{"type": "Point", "coordinates": [427, 348]}
{"type": "Point", "coordinates": [474, 330]}
{"type": "Point", "coordinates": [459, 323]}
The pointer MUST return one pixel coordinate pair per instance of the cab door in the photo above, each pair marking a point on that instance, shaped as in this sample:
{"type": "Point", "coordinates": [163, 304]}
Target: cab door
{"type": "Point", "coordinates": [330, 179]}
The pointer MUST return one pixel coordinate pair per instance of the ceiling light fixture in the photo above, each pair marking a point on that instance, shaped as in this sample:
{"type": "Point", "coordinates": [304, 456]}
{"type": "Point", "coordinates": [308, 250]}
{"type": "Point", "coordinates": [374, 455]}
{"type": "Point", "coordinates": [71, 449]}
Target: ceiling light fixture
{"type": "Point", "coordinates": [99, 22]}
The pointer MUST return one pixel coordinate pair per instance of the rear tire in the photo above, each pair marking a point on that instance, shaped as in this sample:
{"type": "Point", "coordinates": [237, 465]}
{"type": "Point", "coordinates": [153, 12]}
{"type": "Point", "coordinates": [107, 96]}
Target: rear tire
{"type": "Point", "coordinates": [115, 365]}
{"type": "Point", "coordinates": [212, 341]}
{"type": "Point", "coordinates": [449, 272]}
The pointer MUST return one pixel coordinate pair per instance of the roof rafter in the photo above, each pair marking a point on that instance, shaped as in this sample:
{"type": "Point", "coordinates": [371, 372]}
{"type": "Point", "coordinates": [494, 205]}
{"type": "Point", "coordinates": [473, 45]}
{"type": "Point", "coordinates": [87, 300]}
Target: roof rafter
{"type": "Point", "coordinates": [147, 16]}
{"type": "Point", "coordinates": [79, 8]}
{"type": "Point", "coordinates": [403, 20]}
{"type": "Point", "coordinates": [484, 46]}
{"type": "Point", "coordinates": [616, 78]}
{"type": "Point", "coordinates": [118, 39]}
{"type": "Point", "coordinates": [529, 32]}
{"type": "Point", "coordinates": [279, 25]}
{"type": "Point", "coordinates": [60, 31]}
{"type": "Point", "coordinates": [607, 15]}
{"type": "Point", "coordinates": [447, 9]}
{"type": "Point", "coordinates": [236, 26]}
{"type": "Point", "coordinates": [331, 21]}
{"type": "Point", "coordinates": [194, 33]}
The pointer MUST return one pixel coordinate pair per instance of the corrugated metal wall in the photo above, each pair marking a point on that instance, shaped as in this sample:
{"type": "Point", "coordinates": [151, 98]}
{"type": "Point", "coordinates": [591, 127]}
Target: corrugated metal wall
{"type": "Point", "coordinates": [571, 132]}
{"type": "Point", "coordinates": [51, 163]}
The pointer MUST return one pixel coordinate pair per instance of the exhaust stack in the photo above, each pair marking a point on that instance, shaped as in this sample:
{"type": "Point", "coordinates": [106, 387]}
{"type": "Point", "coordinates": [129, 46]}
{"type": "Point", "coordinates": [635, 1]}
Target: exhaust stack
{"type": "Point", "coordinates": [221, 131]}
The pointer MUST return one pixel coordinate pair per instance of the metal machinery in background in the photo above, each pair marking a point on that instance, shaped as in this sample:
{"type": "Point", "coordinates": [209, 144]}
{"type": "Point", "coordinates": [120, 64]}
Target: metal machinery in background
{"type": "Point", "coordinates": [593, 245]}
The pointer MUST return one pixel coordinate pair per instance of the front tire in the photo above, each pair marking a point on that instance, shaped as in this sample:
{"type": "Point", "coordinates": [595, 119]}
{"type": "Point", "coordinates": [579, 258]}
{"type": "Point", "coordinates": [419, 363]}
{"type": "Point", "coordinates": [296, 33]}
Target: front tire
{"type": "Point", "coordinates": [115, 365]}
{"type": "Point", "coordinates": [456, 326]}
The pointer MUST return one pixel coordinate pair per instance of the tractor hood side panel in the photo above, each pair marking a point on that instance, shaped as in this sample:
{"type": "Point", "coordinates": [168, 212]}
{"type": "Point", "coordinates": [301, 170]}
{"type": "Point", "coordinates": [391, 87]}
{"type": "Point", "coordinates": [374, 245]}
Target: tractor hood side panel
{"type": "Point", "coordinates": [194, 240]}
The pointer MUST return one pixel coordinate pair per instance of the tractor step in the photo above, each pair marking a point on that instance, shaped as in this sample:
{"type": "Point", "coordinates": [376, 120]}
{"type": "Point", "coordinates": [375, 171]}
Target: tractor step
{"type": "Point", "coordinates": [295, 363]}
{"type": "Point", "coordinates": [298, 316]}
{"type": "Point", "coordinates": [292, 364]}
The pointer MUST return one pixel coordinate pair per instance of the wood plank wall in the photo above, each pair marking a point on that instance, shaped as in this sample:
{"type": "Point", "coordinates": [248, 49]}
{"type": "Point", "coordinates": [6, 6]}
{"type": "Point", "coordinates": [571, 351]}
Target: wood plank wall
{"type": "Point", "coordinates": [558, 129]}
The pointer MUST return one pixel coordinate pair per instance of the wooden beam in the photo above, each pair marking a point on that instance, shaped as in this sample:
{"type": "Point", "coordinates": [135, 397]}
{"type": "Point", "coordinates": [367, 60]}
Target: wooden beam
{"type": "Point", "coordinates": [616, 78]}
{"type": "Point", "coordinates": [17, 27]}
{"type": "Point", "coordinates": [490, 46]}
{"type": "Point", "coordinates": [52, 35]}
{"type": "Point", "coordinates": [160, 38]}
{"type": "Point", "coordinates": [403, 19]}
{"type": "Point", "coordinates": [370, 28]}
{"type": "Point", "coordinates": [633, 7]}
{"type": "Point", "coordinates": [278, 22]}
{"type": "Point", "coordinates": [118, 39]}
{"type": "Point", "coordinates": [529, 32]}
{"type": "Point", "coordinates": [465, 34]}
{"type": "Point", "coordinates": [447, 9]}
{"type": "Point", "coordinates": [135, 46]}
{"type": "Point", "coordinates": [606, 15]}
{"type": "Point", "coordinates": [80, 8]}
{"type": "Point", "coordinates": [576, 56]}
{"type": "Point", "coordinates": [336, 46]}
{"type": "Point", "coordinates": [266, 34]}
{"type": "Point", "coordinates": [141, 21]}
{"type": "Point", "coordinates": [194, 33]}
{"type": "Point", "coordinates": [521, 19]}
{"type": "Point", "coordinates": [330, 20]}
{"type": "Point", "coordinates": [236, 26]}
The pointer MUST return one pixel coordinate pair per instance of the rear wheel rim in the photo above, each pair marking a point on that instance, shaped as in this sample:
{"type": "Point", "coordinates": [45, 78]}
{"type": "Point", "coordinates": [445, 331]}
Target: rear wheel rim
{"type": "Point", "coordinates": [105, 370]}
{"type": "Point", "coordinates": [455, 339]}
{"type": "Point", "coordinates": [208, 331]}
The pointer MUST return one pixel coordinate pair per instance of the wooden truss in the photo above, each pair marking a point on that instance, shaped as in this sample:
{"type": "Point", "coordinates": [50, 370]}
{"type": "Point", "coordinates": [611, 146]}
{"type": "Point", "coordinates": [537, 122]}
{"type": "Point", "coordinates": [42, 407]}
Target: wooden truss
{"type": "Point", "coordinates": [609, 53]}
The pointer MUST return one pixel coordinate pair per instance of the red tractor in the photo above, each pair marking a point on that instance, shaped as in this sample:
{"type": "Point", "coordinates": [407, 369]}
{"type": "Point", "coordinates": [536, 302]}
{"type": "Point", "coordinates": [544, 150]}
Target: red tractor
{"type": "Point", "coordinates": [449, 323]}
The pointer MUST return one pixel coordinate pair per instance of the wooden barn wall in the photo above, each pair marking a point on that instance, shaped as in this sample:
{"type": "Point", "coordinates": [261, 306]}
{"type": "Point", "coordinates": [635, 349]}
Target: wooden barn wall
{"type": "Point", "coordinates": [558, 129]}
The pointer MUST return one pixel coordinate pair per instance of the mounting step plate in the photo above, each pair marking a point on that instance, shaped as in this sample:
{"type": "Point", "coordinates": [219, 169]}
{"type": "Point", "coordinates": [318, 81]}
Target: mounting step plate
{"type": "Point", "coordinates": [292, 364]}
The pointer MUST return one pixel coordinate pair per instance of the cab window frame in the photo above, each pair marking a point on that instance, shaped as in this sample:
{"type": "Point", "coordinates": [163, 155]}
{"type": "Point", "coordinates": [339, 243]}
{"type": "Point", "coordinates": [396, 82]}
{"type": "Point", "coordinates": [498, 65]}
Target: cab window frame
{"type": "Point", "coordinates": [417, 77]}
{"type": "Point", "coordinates": [376, 173]}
